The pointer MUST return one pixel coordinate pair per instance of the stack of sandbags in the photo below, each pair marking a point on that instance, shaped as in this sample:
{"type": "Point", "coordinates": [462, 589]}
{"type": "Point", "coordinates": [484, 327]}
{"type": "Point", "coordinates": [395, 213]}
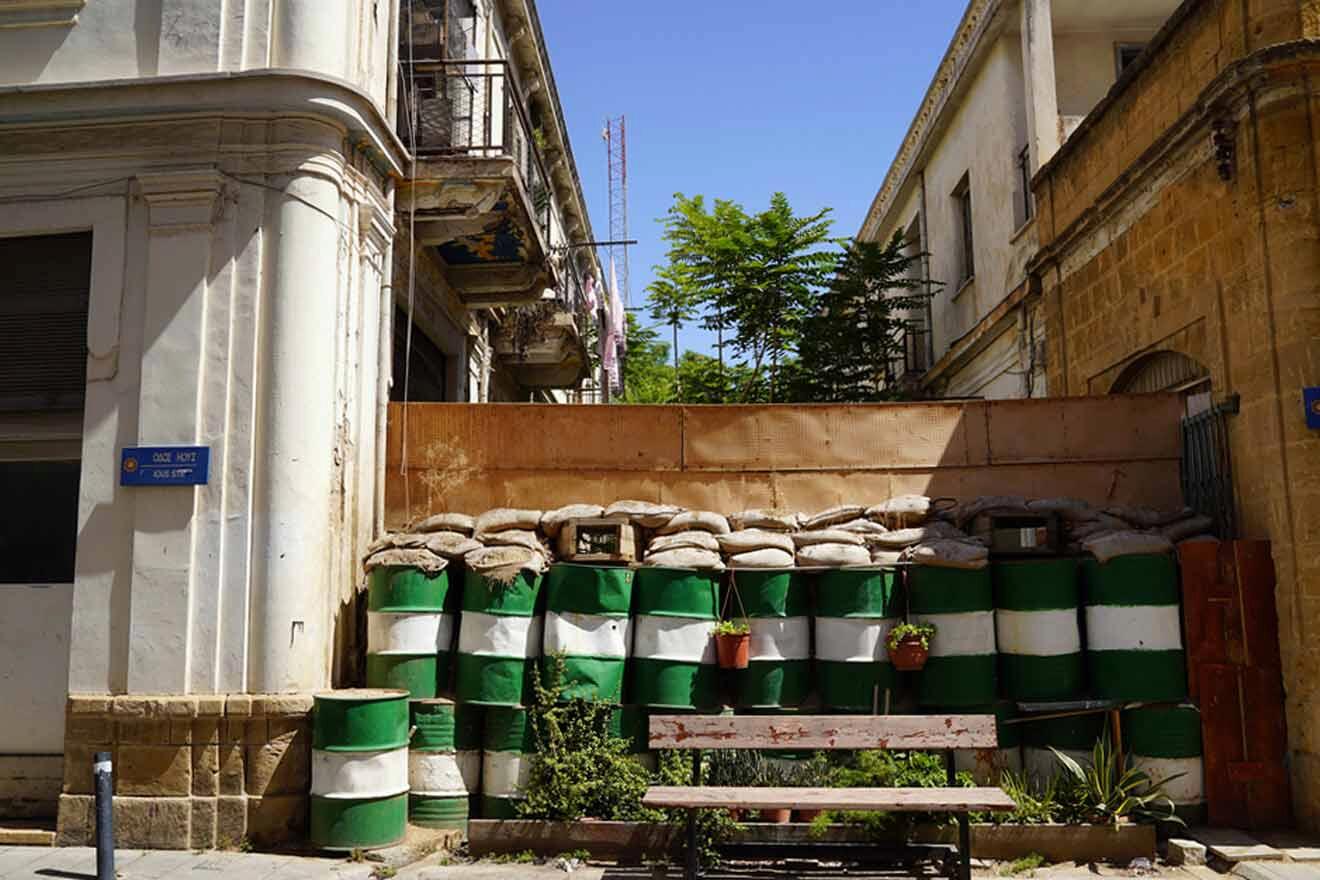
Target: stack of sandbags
{"type": "Point", "coordinates": [404, 549]}
{"type": "Point", "coordinates": [447, 534]}
{"type": "Point", "coordinates": [686, 539]}
{"type": "Point", "coordinates": [765, 520]}
{"type": "Point", "coordinates": [830, 548]}
{"type": "Point", "coordinates": [757, 548]}
{"type": "Point", "coordinates": [643, 514]}
{"type": "Point", "coordinates": [834, 516]}
{"type": "Point", "coordinates": [889, 548]}
{"type": "Point", "coordinates": [510, 543]}
{"type": "Point", "coordinates": [901, 511]}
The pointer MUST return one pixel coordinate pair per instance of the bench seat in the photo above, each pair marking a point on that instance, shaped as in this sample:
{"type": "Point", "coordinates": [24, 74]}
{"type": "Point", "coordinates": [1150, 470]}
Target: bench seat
{"type": "Point", "coordinates": [911, 800]}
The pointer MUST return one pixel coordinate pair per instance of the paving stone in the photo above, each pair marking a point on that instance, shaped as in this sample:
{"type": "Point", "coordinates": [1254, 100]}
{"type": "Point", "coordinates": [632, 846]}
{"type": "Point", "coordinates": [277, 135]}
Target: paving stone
{"type": "Point", "coordinates": [1276, 871]}
{"type": "Point", "coordinates": [1185, 852]}
{"type": "Point", "coordinates": [1235, 846]}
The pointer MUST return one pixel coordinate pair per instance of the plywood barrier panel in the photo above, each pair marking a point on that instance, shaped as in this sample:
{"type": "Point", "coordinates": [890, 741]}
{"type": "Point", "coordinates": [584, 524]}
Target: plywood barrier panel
{"type": "Point", "coordinates": [1118, 428]}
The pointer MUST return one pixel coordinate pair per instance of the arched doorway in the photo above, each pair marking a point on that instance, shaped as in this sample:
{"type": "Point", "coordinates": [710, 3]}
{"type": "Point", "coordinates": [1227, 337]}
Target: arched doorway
{"type": "Point", "coordinates": [1168, 371]}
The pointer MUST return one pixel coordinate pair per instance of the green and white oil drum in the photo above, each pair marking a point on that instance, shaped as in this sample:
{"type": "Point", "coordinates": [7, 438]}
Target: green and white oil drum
{"type": "Point", "coordinates": [410, 629]}
{"type": "Point", "coordinates": [631, 724]}
{"type": "Point", "coordinates": [778, 608]}
{"type": "Point", "coordinates": [438, 796]}
{"type": "Point", "coordinates": [855, 609]}
{"type": "Point", "coordinates": [509, 745]}
{"type": "Point", "coordinates": [1073, 735]}
{"type": "Point", "coordinates": [359, 769]}
{"type": "Point", "coordinates": [1037, 628]}
{"type": "Point", "coordinates": [1134, 648]}
{"type": "Point", "coordinates": [499, 639]}
{"type": "Point", "coordinates": [1166, 742]}
{"type": "Point", "coordinates": [961, 604]}
{"type": "Point", "coordinates": [674, 616]}
{"type": "Point", "coordinates": [469, 731]}
{"type": "Point", "coordinates": [987, 765]}
{"type": "Point", "coordinates": [588, 629]}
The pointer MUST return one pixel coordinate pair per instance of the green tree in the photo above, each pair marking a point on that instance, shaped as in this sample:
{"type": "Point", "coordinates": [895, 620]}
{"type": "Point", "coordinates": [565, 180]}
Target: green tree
{"type": "Point", "coordinates": [675, 301]}
{"type": "Point", "coordinates": [647, 374]}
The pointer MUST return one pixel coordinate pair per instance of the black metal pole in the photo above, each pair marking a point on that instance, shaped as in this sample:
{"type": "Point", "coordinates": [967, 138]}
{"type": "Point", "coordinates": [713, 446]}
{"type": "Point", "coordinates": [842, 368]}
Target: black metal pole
{"type": "Point", "coordinates": [103, 774]}
{"type": "Point", "coordinates": [693, 862]}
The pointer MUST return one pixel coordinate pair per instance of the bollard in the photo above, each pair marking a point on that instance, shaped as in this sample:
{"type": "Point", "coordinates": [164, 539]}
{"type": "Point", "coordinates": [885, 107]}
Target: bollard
{"type": "Point", "coordinates": [103, 773]}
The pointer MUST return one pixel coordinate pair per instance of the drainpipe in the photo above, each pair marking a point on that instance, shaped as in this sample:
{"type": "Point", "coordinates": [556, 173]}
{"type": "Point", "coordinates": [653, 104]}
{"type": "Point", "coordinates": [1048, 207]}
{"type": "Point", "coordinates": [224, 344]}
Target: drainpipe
{"type": "Point", "coordinates": [384, 381]}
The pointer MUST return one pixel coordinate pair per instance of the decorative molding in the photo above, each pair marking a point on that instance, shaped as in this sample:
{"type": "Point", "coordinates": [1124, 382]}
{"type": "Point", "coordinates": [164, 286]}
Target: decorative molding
{"type": "Point", "coordinates": [16, 14]}
{"type": "Point", "coordinates": [181, 199]}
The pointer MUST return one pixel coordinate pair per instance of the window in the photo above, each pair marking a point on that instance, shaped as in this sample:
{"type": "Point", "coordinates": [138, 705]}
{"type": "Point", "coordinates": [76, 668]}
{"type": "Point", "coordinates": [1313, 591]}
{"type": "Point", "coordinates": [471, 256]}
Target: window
{"type": "Point", "coordinates": [962, 200]}
{"type": "Point", "coordinates": [1023, 210]}
{"type": "Point", "coordinates": [1126, 53]}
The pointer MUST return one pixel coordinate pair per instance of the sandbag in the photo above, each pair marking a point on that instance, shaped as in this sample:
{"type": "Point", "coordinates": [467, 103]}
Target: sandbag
{"type": "Point", "coordinates": [514, 538]}
{"type": "Point", "coordinates": [400, 540]}
{"type": "Point", "coordinates": [766, 557]}
{"type": "Point", "coordinates": [768, 520]}
{"type": "Point", "coordinates": [446, 522]}
{"type": "Point", "coordinates": [1007, 503]}
{"type": "Point", "coordinates": [553, 520]}
{"type": "Point", "coordinates": [1068, 509]}
{"type": "Point", "coordinates": [694, 540]}
{"type": "Point", "coordinates": [902, 511]}
{"type": "Point", "coordinates": [697, 520]}
{"type": "Point", "coordinates": [451, 545]}
{"type": "Point", "coordinates": [1186, 528]}
{"type": "Point", "coordinates": [750, 540]}
{"type": "Point", "coordinates": [828, 536]}
{"type": "Point", "coordinates": [949, 553]}
{"type": "Point", "coordinates": [863, 527]}
{"type": "Point", "coordinates": [643, 513]}
{"type": "Point", "coordinates": [1148, 518]}
{"type": "Point", "coordinates": [886, 557]}
{"type": "Point", "coordinates": [1102, 524]}
{"type": "Point", "coordinates": [1112, 545]}
{"type": "Point", "coordinates": [826, 518]}
{"type": "Point", "coordinates": [424, 560]}
{"type": "Point", "coordinates": [833, 555]}
{"type": "Point", "coordinates": [704, 560]}
{"type": "Point", "coordinates": [504, 563]}
{"type": "Point", "coordinates": [503, 519]}
{"type": "Point", "coordinates": [931, 531]}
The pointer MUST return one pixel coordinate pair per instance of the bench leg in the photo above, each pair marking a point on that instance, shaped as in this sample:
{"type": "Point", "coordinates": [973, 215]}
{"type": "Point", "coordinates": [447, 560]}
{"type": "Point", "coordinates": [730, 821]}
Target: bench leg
{"type": "Point", "coordinates": [693, 862]}
{"type": "Point", "coordinates": [964, 848]}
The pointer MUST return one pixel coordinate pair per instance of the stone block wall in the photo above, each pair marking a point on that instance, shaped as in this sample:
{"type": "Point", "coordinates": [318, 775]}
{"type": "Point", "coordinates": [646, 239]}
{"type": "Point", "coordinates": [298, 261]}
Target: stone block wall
{"type": "Point", "coordinates": [190, 772]}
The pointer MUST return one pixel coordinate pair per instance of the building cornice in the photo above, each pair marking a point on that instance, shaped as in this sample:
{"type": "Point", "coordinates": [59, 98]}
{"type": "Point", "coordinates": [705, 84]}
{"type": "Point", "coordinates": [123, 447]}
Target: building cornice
{"type": "Point", "coordinates": [263, 92]}
{"type": "Point", "coordinates": [967, 40]}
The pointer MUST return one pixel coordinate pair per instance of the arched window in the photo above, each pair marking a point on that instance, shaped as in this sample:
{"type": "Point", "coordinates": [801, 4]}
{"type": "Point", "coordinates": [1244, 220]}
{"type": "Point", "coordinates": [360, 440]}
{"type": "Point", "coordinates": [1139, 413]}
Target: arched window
{"type": "Point", "coordinates": [1167, 371]}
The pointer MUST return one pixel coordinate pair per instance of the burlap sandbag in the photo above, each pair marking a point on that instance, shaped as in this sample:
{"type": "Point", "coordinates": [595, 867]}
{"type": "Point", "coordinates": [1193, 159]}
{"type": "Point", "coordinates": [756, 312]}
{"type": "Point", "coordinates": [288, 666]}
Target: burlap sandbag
{"type": "Point", "coordinates": [833, 555]}
{"type": "Point", "coordinates": [766, 557]}
{"type": "Point", "coordinates": [502, 564]}
{"type": "Point", "coordinates": [703, 560]}
{"type": "Point", "coordinates": [949, 553]}
{"type": "Point", "coordinates": [826, 518]}
{"type": "Point", "coordinates": [697, 520]}
{"type": "Point", "coordinates": [1112, 545]}
{"type": "Point", "coordinates": [1186, 528]}
{"type": "Point", "coordinates": [750, 540]}
{"type": "Point", "coordinates": [424, 560]}
{"type": "Point", "coordinates": [931, 531]}
{"type": "Point", "coordinates": [446, 522]}
{"type": "Point", "coordinates": [1103, 523]}
{"type": "Point", "coordinates": [643, 513]}
{"type": "Point", "coordinates": [768, 520]}
{"type": "Point", "coordinates": [681, 540]}
{"type": "Point", "coordinates": [828, 536]}
{"type": "Point", "coordinates": [552, 521]}
{"type": "Point", "coordinates": [886, 557]}
{"type": "Point", "coordinates": [524, 538]}
{"type": "Point", "coordinates": [1147, 518]}
{"type": "Point", "coordinates": [1009, 504]}
{"type": "Point", "coordinates": [451, 545]}
{"type": "Point", "coordinates": [862, 527]}
{"type": "Point", "coordinates": [503, 519]}
{"type": "Point", "coordinates": [1068, 509]}
{"type": "Point", "coordinates": [400, 540]}
{"type": "Point", "coordinates": [902, 511]}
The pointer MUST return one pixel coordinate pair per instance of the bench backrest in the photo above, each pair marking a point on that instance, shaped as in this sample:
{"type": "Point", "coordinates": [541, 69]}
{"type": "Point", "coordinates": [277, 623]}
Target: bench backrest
{"type": "Point", "coordinates": [911, 732]}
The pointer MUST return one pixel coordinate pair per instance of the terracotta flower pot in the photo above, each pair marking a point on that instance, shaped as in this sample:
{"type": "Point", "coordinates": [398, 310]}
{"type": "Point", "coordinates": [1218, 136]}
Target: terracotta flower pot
{"type": "Point", "coordinates": [779, 817]}
{"type": "Point", "coordinates": [806, 815]}
{"type": "Point", "coordinates": [734, 649]}
{"type": "Point", "coordinates": [909, 655]}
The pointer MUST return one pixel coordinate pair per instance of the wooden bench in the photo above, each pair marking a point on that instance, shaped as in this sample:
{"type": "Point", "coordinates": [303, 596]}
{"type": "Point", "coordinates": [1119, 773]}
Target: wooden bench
{"type": "Point", "coordinates": [813, 732]}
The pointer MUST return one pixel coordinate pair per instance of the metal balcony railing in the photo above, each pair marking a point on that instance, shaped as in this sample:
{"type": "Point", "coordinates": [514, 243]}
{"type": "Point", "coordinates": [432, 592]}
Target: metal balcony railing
{"type": "Point", "coordinates": [472, 108]}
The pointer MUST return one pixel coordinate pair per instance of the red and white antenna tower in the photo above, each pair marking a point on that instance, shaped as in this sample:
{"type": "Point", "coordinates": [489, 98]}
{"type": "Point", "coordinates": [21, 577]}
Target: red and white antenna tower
{"type": "Point", "coordinates": [616, 150]}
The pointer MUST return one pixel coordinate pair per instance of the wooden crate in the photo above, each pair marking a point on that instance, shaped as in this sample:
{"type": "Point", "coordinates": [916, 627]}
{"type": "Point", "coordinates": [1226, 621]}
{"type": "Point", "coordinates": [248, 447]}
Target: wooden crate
{"type": "Point", "coordinates": [598, 540]}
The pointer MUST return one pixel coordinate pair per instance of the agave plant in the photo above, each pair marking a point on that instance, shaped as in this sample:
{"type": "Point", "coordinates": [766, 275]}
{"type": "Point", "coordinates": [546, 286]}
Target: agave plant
{"type": "Point", "coordinates": [1111, 789]}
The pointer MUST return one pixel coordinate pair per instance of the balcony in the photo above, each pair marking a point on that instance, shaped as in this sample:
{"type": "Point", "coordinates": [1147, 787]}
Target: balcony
{"type": "Point", "coordinates": [480, 192]}
{"type": "Point", "coordinates": [543, 345]}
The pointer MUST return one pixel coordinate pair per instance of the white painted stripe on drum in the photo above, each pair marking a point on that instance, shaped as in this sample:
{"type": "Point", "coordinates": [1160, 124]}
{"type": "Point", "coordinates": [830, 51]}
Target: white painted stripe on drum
{"type": "Point", "coordinates": [684, 639]}
{"type": "Point", "coordinates": [394, 632]}
{"type": "Point", "coordinates": [1042, 764]}
{"type": "Point", "coordinates": [359, 774]}
{"type": "Point", "coordinates": [505, 774]}
{"type": "Point", "coordinates": [436, 774]}
{"type": "Point", "coordinates": [1186, 789]}
{"type": "Point", "coordinates": [780, 638]}
{"type": "Point", "coordinates": [967, 634]}
{"type": "Point", "coordinates": [587, 635]}
{"type": "Point", "coordinates": [1038, 633]}
{"type": "Point", "coordinates": [853, 639]}
{"type": "Point", "coordinates": [469, 767]}
{"type": "Point", "coordinates": [490, 635]}
{"type": "Point", "coordinates": [1133, 628]}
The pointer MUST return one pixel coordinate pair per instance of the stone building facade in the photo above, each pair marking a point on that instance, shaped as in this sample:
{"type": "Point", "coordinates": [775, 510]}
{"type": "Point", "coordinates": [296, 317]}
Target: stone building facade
{"type": "Point", "coordinates": [1179, 234]}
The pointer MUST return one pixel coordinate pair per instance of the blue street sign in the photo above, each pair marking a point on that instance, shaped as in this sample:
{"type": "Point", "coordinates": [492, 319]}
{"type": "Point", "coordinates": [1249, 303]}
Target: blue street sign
{"type": "Point", "coordinates": [165, 466]}
{"type": "Point", "coordinates": [1311, 399]}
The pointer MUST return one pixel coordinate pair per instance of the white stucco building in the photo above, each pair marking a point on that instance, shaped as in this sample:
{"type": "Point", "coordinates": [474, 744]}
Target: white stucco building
{"type": "Point", "coordinates": [1018, 77]}
{"type": "Point", "coordinates": [212, 232]}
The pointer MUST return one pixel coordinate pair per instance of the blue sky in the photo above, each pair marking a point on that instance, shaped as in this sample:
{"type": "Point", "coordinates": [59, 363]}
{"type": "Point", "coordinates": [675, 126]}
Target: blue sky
{"type": "Point", "coordinates": [739, 98]}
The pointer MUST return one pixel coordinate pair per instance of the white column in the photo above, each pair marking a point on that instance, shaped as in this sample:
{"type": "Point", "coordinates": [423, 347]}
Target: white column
{"type": "Point", "coordinates": [314, 35]}
{"type": "Point", "coordinates": [296, 526]}
{"type": "Point", "coordinates": [1041, 87]}
{"type": "Point", "coordinates": [181, 206]}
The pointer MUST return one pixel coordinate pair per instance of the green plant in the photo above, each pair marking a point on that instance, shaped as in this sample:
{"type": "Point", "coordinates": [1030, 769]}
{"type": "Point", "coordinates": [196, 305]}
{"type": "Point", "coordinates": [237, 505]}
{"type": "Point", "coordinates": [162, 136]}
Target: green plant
{"type": "Point", "coordinates": [581, 855]}
{"type": "Point", "coordinates": [1035, 806]}
{"type": "Point", "coordinates": [1029, 862]}
{"type": "Point", "coordinates": [713, 826]}
{"type": "Point", "coordinates": [383, 872]}
{"type": "Point", "coordinates": [732, 628]}
{"type": "Point", "coordinates": [923, 631]}
{"type": "Point", "coordinates": [579, 769]}
{"type": "Point", "coordinates": [887, 769]}
{"type": "Point", "coordinates": [525, 857]}
{"type": "Point", "coordinates": [1111, 789]}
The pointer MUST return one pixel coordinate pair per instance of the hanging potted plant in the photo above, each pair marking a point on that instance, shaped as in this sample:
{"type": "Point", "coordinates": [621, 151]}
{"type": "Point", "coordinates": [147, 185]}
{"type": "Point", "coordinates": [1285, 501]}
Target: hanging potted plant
{"type": "Point", "coordinates": [909, 645]}
{"type": "Point", "coordinates": [733, 643]}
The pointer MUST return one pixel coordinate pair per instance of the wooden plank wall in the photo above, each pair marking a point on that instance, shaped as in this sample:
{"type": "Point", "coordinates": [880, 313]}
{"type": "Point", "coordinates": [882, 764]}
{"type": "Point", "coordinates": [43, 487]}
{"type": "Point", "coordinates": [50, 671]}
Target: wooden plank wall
{"type": "Point", "coordinates": [473, 457]}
